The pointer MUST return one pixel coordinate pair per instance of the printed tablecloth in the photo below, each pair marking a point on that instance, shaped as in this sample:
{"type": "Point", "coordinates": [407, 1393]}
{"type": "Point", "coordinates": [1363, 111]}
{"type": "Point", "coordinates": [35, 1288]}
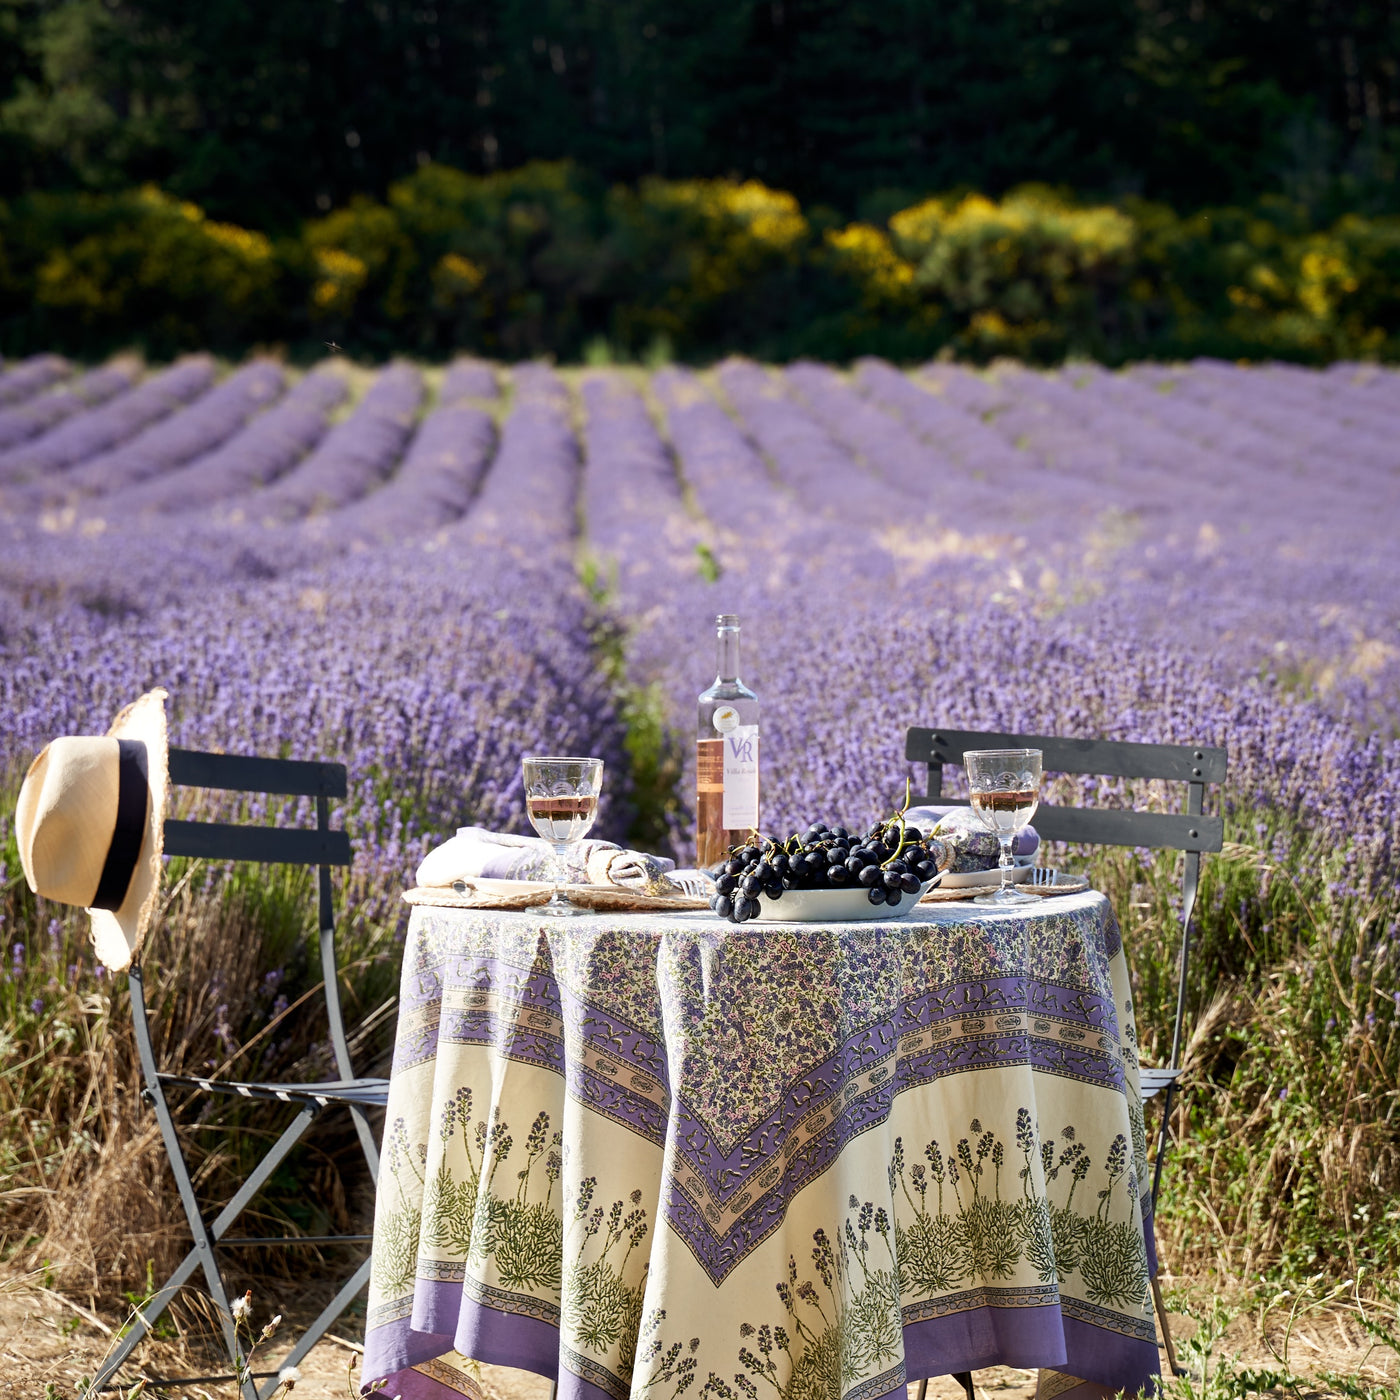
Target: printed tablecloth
{"type": "Point", "coordinates": [652, 1154]}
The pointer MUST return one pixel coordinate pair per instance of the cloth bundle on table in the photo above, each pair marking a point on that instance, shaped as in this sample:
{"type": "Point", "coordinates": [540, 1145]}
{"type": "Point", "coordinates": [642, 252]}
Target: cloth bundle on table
{"type": "Point", "coordinates": [971, 845]}
{"type": "Point", "coordinates": [475, 853]}
{"type": "Point", "coordinates": [648, 1154]}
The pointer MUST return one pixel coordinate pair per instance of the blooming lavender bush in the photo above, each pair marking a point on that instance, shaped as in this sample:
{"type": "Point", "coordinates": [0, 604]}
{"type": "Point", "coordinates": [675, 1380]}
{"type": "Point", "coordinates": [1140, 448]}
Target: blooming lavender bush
{"type": "Point", "coordinates": [438, 478]}
{"type": "Point", "coordinates": [174, 440]}
{"type": "Point", "coordinates": [87, 434]}
{"type": "Point", "coordinates": [355, 456]}
{"type": "Point", "coordinates": [264, 450]}
{"type": "Point", "coordinates": [24, 378]}
{"type": "Point", "coordinates": [528, 503]}
{"type": "Point", "coordinates": [34, 415]}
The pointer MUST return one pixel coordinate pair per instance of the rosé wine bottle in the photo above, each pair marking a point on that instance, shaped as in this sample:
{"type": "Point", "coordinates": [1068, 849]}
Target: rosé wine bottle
{"type": "Point", "coordinates": [726, 754]}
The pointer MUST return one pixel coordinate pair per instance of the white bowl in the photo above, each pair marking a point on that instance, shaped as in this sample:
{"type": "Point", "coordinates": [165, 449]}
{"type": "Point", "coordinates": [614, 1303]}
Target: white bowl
{"type": "Point", "coordinates": [971, 879]}
{"type": "Point", "coordinates": [833, 906]}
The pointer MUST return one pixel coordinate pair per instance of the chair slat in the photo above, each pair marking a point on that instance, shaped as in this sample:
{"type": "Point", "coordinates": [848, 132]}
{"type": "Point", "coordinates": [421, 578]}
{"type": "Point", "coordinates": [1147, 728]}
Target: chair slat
{"type": "Point", "coordinates": [1187, 763]}
{"type": "Point", "coordinates": [265, 844]}
{"type": "Point", "coordinates": [1153, 1081]}
{"type": "Point", "coordinates": [231, 772]}
{"type": "Point", "coordinates": [1105, 826]}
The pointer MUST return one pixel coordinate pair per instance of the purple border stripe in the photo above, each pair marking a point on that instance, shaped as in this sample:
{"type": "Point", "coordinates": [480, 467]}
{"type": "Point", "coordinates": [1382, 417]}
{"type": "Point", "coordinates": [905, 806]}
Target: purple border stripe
{"type": "Point", "coordinates": [1026, 1337]}
{"type": "Point", "coordinates": [986, 1336]}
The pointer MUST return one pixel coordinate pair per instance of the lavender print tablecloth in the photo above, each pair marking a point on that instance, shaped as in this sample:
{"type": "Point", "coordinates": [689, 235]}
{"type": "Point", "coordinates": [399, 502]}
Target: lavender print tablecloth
{"type": "Point", "coordinates": [651, 1155]}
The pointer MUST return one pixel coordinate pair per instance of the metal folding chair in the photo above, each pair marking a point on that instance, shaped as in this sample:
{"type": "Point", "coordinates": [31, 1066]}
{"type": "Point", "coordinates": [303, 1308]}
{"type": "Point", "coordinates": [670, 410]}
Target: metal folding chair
{"type": "Point", "coordinates": [322, 848]}
{"type": "Point", "coordinates": [1192, 832]}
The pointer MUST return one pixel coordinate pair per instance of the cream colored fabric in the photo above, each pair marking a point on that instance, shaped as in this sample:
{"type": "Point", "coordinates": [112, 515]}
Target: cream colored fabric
{"type": "Point", "coordinates": [66, 815]}
{"type": "Point", "coordinates": [476, 853]}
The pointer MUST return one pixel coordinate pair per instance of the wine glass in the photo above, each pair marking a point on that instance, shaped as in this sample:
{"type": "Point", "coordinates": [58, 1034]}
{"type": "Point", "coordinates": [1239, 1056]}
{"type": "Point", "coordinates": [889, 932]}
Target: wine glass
{"type": "Point", "coordinates": [561, 800]}
{"type": "Point", "coordinates": [1004, 786]}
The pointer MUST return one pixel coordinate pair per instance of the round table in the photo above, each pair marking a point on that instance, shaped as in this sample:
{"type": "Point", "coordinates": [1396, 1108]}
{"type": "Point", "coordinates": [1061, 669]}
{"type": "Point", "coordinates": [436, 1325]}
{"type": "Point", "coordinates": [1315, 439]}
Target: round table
{"type": "Point", "coordinates": [649, 1154]}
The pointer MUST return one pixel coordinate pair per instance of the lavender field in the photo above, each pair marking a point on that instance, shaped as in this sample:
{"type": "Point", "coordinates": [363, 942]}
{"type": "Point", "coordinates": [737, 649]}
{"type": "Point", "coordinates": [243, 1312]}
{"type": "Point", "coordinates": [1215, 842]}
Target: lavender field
{"type": "Point", "coordinates": [426, 572]}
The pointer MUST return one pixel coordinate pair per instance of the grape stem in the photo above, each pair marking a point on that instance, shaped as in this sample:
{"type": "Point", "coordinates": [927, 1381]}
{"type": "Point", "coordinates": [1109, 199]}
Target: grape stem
{"type": "Point", "coordinates": [899, 817]}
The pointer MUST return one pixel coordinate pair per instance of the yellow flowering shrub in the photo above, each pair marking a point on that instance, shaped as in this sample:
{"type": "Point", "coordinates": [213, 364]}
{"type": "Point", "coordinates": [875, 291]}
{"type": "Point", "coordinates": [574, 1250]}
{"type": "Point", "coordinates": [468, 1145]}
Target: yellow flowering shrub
{"type": "Point", "coordinates": [866, 255]}
{"type": "Point", "coordinates": [357, 244]}
{"type": "Point", "coordinates": [546, 259]}
{"type": "Point", "coordinates": [157, 265]}
{"type": "Point", "coordinates": [455, 280]}
{"type": "Point", "coordinates": [502, 257]}
{"type": "Point", "coordinates": [340, 276]}
{"type": "Point", "coordinates": [686, 256]}
{"type": "Point", "coordinates": [1026, 272]}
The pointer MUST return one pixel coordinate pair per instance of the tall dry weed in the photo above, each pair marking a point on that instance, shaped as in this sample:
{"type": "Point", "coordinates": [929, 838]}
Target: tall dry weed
{"type": "Point", "coordinates": [233, 988]}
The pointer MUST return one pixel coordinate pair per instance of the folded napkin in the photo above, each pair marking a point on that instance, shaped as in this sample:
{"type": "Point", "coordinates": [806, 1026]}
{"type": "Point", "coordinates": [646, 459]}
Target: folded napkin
{"type": "Point", "coordinates": [973, 847]}
{"type": "Point", "coordinates": [475, 853]}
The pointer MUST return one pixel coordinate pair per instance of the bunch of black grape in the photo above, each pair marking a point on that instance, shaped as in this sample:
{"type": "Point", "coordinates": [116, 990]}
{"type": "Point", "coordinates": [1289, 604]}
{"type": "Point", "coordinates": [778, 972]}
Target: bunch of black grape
{"type": "Point", "coordinates": [889, 861]}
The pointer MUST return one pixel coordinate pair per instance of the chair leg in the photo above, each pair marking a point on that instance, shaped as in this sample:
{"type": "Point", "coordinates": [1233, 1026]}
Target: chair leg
{"type": "Point", "coordinates": [321, 1326]}
{"type": "Point", "coordinates": [146, 1319]}
{"type": "Point", "coordinates": [963, 1378]}
{"type": "Point", "coordinates": [1165, 1326]}
{"type": "Point", "coordinates": [203, 1237]}
{"type": "Point", "coordinates": [1163, 1140]}
{"type": "Point", "coordinates": [207, 1236]}
{"type": "Point", "coordinates": [367, 1143]}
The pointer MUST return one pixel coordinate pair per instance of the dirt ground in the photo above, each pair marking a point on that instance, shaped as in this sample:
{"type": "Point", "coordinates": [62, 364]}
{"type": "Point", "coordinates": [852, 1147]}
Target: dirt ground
{"type": "Point", "coordinates": [48, 1339]}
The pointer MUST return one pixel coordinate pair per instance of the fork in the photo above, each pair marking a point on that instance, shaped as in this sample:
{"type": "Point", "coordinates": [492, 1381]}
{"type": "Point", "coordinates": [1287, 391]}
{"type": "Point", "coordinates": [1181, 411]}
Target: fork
{"type": "Point", "coordinates": [694, 882]}
{"type": "Point", "coordinates": [1044, 875]}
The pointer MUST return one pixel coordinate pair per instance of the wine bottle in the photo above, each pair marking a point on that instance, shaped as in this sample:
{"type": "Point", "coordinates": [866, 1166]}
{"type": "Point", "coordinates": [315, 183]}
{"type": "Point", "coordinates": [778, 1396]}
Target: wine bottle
{"type": "Point", "coordinates": [726, 753]}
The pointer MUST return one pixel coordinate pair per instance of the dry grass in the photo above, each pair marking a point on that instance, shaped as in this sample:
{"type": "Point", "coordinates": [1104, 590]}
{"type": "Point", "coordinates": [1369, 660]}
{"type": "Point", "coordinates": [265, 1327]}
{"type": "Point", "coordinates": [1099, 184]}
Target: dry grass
{"type": "Point", "coordinates": [88, 1195]}
{"type": "Point", "coordinates": [48, 1338]}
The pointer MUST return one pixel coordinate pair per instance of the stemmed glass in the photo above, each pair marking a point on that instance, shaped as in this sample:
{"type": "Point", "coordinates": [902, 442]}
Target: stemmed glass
{"type": "Point", "coordinates": [561, 800]}
{"type": "Point", "coordinates": [1005, 790]}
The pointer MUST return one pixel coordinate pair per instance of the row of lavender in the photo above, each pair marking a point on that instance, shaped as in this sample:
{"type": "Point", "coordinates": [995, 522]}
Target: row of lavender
{"type": "Point", "coordinates": [928, 572]}
{"type": "Point", "coordinates": [1128, 554]}
{"type": "Point", "coordinates": [229, 550]}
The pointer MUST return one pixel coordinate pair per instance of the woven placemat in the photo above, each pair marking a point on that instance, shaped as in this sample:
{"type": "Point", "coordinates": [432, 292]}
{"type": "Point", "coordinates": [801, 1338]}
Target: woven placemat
{"type": "Point", "coordinates": [526, 894]}
{"type": "Point", "coordinates": [1064, 884]}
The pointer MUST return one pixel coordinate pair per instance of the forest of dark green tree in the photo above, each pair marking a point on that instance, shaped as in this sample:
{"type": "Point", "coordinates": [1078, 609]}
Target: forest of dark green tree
{"type": "Point", "coordinates": [266, 112]}
{"type": "Point", "coordinates": [1037, 178]}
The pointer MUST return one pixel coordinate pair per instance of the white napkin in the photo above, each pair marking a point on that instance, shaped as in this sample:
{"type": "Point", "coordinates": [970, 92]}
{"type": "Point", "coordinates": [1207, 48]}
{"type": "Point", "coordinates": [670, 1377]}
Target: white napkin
{"type": "Point", "coordinates": [475, 853]}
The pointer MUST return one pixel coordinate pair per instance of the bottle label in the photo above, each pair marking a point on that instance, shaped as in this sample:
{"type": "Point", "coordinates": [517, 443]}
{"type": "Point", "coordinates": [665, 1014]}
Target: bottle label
{"type": "Point", "coordinates": [741, 778]}
{"type": "Point", "coordinates": [726, 719]}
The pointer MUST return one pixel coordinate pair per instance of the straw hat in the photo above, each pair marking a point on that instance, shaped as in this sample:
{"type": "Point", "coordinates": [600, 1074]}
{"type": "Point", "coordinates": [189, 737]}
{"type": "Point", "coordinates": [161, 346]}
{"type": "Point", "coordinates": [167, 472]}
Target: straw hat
{"type": "Point", "coordinates": [91, 822]}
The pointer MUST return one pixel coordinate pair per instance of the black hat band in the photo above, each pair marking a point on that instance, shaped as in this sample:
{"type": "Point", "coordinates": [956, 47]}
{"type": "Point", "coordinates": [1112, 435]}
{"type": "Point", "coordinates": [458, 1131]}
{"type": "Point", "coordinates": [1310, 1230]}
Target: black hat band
{"type": "Point", "coordinates": [133, 797]}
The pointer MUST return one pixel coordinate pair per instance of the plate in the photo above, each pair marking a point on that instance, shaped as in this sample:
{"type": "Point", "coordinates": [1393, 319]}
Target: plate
{"type": "Point", "coordinates": [975, 879]}
{"type": "Point", "coordinates": [525, 894]}
{"type": "Point", "coordinates": [833, 906]}
{"type": "Point", "coordinates": [1065, 883]}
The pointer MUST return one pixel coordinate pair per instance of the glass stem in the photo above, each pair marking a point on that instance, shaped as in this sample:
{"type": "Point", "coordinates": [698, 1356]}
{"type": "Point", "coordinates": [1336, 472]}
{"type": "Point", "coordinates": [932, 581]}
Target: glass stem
{"type": "Point", "coordinates": [561, 870]}
{"type": "Point", "coordinates": [1007, 838]}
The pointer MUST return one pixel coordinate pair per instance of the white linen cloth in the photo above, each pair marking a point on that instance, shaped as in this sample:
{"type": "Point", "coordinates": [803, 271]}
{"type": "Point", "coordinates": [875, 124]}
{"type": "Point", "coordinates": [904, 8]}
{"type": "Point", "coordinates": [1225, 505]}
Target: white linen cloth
{"type": "Point", "coordinates": [475, 853]}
